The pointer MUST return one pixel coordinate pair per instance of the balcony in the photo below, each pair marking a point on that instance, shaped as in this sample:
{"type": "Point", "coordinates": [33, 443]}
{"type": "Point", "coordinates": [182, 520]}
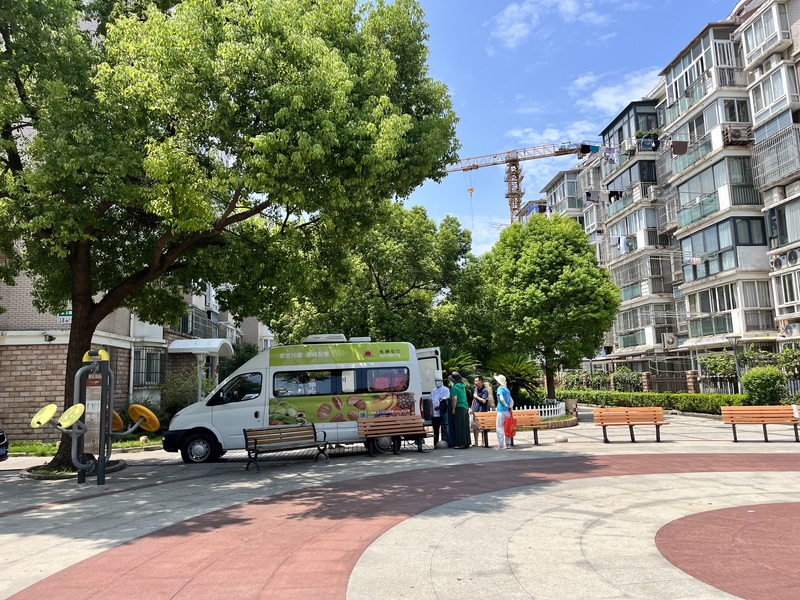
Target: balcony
{"type": "Point", "coordinates": [759, 320]}
{"type": "Point", "coordinates": [710, 325]}
{"type": "Point", "coordinates": [744, 195]}
{"type": "Point", "coordinates": [696, 152]}
{"type": "Point", "coordinates": [667, 213]}
{"type": "Point", "coordinates": [776, 160]}
{"type": "Point", "coordinates": [691, 96]}
{"type": "Point", "coordinates": [729, 77]}
{"type": "Point", "coordinates": [700, 207]}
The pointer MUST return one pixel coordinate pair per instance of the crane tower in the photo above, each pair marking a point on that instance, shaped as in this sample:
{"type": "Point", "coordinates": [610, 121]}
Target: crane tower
{"type": "Point", "coordinates": [512, 160]}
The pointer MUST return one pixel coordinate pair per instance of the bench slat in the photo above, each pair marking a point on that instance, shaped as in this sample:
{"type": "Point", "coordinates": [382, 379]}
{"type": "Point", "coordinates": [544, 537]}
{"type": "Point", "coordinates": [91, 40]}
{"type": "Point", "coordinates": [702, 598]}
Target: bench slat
{"type": "Point", "coordinates": [630, 417]}
{"type": "Point", "coordinates": [279, 438]}
{"type": "Point", "coordinates": [760, 415]}
{"type": "Point", "coordinates": [393, 426]}
{"type": "Point", "coordinates": [486, 421]}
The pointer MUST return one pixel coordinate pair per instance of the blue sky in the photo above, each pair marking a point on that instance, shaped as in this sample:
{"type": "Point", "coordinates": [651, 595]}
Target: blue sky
{"type": "Point", "coordinates": [528, 72]}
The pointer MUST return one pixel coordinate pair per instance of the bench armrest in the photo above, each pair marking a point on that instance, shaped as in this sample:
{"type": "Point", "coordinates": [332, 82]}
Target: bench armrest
{"type": "Point", "coordinates": [324, 435]}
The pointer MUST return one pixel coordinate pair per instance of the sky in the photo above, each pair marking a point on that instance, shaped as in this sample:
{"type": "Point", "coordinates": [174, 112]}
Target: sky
{"type": "Point", "coordinates": [528, 72]}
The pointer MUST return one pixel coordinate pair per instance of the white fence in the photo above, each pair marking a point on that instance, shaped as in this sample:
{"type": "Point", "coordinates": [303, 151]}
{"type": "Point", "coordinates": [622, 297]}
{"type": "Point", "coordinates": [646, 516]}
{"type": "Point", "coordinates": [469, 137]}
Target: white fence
{"type": "Point", "coordinates": [546, 411]}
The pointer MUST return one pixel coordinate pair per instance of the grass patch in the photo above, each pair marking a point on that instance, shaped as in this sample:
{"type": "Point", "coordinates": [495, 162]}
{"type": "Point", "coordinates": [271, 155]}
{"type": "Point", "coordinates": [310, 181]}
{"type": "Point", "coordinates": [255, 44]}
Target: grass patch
{"type": "Point", "coordinates": [41, 449]}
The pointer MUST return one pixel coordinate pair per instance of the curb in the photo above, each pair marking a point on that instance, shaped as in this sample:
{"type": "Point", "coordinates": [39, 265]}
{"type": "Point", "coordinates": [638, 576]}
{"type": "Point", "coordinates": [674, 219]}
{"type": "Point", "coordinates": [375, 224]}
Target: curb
{"type": "Point", "coordinates": [112, 467]}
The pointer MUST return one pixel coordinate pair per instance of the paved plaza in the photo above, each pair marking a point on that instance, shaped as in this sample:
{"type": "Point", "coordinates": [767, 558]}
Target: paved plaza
{"type": "Point", "coordinates": [696, 516]}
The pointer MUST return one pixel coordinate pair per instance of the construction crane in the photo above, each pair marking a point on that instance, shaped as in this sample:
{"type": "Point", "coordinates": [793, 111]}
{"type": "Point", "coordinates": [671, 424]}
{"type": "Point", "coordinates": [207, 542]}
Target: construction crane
{"type": "Point", "coordinates": [511, 160]}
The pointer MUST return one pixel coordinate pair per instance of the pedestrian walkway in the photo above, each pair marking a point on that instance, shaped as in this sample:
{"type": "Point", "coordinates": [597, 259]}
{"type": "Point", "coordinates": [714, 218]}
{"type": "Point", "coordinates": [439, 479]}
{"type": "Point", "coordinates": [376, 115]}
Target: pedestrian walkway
{"type": "Point", "coordinates": [695, 516]}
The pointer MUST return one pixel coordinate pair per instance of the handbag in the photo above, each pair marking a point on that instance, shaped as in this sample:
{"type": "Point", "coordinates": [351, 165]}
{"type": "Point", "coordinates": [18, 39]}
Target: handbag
{"type": "Point", "coordinates": [511, 425]}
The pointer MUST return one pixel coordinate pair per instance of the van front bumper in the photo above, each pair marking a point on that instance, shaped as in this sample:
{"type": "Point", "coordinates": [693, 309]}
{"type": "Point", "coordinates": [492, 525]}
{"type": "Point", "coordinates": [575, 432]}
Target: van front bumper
{"type": "Point", "coordinates": [171, 442]}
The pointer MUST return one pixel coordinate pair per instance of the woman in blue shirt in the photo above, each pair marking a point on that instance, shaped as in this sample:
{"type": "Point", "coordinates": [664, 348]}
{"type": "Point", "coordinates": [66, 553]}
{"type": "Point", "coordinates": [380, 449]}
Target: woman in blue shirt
{"type": "Point", "coordinates": [504, 405]}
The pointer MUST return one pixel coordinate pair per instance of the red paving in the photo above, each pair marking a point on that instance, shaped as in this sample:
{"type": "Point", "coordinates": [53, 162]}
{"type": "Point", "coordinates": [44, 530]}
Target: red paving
{"type": "Point", "coordinates": [305, 543]}
{"type": "Point", "coordinates": [748, 551]}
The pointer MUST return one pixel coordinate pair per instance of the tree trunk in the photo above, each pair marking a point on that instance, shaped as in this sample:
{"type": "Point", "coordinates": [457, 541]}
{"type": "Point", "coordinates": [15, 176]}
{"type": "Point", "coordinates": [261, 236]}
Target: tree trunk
{"type": "Point", "coordinates": [85, 319]}
{"type": "Point", "coordinates": [80, 342]}
{"type": "Point", "coordinates": [549, 375]}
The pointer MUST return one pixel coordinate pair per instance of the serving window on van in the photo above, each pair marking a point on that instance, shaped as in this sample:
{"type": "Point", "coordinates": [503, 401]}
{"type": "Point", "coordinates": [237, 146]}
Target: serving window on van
{"type": "Point", "coordinates": [393, 379]}
{"type": "Point", "coordinates": [344, 381]}
{"type": "Point", "coordinates": [304, 383]}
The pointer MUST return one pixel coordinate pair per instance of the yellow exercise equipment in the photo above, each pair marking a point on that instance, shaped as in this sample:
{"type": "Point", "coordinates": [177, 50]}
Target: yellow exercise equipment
{"type": "Point", "coordinates": [42, 418]}
{"type": "Point", "coordinates": [149, 422]}
{"type": "Point", "coordinates": [71, 415]}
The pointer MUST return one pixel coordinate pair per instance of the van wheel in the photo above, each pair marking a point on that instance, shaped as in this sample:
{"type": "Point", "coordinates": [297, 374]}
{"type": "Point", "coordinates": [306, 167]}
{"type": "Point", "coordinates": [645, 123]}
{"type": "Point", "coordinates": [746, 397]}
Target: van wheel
{"type": "Point", "coordinates": [199, 448]}
{"type": "Point", "coordinates": [383, 444]}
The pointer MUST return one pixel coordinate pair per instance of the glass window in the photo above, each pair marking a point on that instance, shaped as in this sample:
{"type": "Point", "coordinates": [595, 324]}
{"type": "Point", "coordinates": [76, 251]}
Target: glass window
{"type": "Point", "coordinates": [246, 386]}
{"type": "Point", "coordinates": [787, 283]}
{"type": "Point", "coordinates": [725, 236]}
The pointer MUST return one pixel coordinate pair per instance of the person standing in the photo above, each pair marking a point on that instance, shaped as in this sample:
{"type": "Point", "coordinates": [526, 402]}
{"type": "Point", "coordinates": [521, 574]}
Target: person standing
{"type": "Point", "coordinates": [504, 405]}
{"type": "Point", "coordinates": [459, 412]}
{"type": "Point", "coordinates": [480, 403]}
{"type": "Point", "coordinates": [438, 394]}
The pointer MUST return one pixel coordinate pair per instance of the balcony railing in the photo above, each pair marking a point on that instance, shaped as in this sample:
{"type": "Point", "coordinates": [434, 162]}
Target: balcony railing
{"type": "Point", "coordinates": [695, 152]}
{"type": "Point", "coordinates": [730, 77]}
{"type": "Point", "coordinates": [759, 320]}
{"type": "Point", "coordinates": [744, 195]}
{"type": "Point", "coordinates": [690, 97]}
{"type": "Point", "coordinates": [710, 325]}
{"type": "Point", "coordinates": [777, 159]}
{"type": "Point", "coordinates": [701, 207]}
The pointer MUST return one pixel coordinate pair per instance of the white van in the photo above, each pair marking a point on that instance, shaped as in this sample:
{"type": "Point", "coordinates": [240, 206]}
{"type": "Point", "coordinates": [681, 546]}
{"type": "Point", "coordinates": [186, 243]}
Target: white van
{"type": "Point", "coordinates": [326, 380]}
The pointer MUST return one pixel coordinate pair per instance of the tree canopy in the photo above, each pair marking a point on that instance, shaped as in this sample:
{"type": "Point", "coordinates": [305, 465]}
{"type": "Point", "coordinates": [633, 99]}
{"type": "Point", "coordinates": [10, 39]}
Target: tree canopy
{"type": "Point", "coordinates": [396, 272]}
{"type": "Point", "coordinates": [234, 142]}
{"type": "Point", "coordinates": [551, 298]}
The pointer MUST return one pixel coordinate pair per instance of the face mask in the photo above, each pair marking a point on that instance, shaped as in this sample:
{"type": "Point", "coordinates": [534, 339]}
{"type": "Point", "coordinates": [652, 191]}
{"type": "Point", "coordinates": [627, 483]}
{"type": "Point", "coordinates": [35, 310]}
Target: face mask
{"type": "Point", "coordinates": [438, 384]}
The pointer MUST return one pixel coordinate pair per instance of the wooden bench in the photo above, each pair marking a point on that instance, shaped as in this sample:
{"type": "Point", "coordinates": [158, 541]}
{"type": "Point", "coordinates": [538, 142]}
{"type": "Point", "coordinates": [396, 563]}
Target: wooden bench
{"type": "Point", "coordinates": [760, 415]}
{"type": "Point", "coordinates": [279, 438]}
{"type": "Point", "coordinates": [486, 421]}
{"type": "Point", "coordinates": [396, 427]}
{"type": "Point", "coordinates": [646, 415]}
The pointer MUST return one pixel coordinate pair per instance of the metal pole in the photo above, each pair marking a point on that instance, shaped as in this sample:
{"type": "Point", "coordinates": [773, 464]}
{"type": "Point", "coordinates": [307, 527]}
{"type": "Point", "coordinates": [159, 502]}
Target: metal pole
{"type": "Point", "coordinates": [736, 365]}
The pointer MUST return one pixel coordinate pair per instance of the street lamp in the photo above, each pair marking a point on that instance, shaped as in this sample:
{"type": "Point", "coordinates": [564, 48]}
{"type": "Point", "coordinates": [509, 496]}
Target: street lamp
{"type": "Point", "coordinates": [734, 342]}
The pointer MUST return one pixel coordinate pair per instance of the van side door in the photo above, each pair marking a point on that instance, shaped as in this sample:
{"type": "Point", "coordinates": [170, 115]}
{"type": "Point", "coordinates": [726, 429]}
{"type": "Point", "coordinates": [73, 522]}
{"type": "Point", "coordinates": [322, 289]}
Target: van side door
{"type": "Point", "coordinates": [239, 404]}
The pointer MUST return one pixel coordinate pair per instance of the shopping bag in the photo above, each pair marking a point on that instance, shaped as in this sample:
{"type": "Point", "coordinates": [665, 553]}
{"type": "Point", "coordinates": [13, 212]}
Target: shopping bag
{"type": "Point", "coordinates": [511, 425]}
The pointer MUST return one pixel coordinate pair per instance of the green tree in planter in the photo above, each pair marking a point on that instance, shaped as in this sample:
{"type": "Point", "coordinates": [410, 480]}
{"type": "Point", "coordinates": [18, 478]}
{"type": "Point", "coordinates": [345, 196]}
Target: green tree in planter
{"type": "Point", "coordinates": [764, 386]}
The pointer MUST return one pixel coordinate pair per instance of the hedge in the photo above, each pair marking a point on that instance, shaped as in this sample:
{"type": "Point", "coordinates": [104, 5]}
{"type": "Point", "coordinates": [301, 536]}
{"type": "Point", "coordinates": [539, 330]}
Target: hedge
{"type": "Point", "coordinates": [691, 403]}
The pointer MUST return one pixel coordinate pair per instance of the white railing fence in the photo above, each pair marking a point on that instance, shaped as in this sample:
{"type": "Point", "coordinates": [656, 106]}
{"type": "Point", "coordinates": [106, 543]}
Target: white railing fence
{"type": "Point", "coordinates": [546, 411]}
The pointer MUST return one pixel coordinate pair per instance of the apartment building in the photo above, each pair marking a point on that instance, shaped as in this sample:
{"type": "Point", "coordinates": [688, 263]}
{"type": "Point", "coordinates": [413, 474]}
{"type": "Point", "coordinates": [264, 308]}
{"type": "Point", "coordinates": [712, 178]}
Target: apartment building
{"type": "Point", "coordinates": [33, 350]}
{"type": "Point", "coordinates": [767, 33]}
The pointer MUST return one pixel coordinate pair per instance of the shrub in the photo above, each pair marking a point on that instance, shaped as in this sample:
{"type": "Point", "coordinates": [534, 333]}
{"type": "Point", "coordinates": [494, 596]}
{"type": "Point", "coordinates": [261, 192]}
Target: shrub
{"type": "Point", "coordinates": [178, 390]}
{"type": "Point", "coordinates": [627, 380]}
{"type": "Point", "coordinates": [696, 403]}
{"type": "Point", "coordinates": [764, 385]}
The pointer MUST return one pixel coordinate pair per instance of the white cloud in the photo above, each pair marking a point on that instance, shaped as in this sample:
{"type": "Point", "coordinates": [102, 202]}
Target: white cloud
{"type": "Point", "coordinates": [575, 132]}
{"type": "Point", "coordinates": [519, 20]}
{"type": "Point", "coordinates": [608, 100]}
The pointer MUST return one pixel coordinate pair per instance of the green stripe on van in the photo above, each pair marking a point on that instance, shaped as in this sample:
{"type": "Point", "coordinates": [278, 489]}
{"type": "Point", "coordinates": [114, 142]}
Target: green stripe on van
{"type": "Point", "coordinates": [325, 354]}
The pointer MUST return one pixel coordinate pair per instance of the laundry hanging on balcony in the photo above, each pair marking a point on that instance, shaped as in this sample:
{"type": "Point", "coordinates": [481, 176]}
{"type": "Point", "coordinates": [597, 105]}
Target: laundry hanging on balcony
{"type": "Point", "coordinates": [679, 148]}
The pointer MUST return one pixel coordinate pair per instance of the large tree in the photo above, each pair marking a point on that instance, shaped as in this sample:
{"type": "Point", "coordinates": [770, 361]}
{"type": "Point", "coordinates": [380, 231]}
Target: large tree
{"type": "Point", "coordinates": [217, 141]}
{"type": "Point", "coordinates": [551, 297]}
{"type": "Point", "coordinates": [396, 272]}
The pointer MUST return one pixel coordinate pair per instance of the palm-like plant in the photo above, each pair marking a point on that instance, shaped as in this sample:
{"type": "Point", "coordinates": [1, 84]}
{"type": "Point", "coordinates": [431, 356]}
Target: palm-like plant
{"type": "Point", "coordinates": [521, 372]}
{"type": "Point", "coordinates": [457, 360]}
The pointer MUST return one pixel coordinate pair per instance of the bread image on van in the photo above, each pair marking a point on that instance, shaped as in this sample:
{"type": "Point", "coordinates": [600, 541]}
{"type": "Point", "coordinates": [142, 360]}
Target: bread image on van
{"type": "Point", "coordinates": [326, 380]}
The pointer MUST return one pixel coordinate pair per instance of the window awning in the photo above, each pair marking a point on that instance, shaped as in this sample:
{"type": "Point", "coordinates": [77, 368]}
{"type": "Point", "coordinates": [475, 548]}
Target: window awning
{"type": "Point", "coordinates": [215, 347]}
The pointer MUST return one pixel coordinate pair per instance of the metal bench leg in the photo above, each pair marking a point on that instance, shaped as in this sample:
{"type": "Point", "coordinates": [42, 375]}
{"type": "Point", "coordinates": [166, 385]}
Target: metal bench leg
{"type": "Point", "coordinates": [796, 438]}
{"type": "Point", "coordinates": [605, 434]}
{"type": "Point", "coordinates": [396, 444]}
{"type": "Point", "coordinates": [658, 433]}
{"type": "Point", "coordinates": [371, 446]}
{"type": "Point", "coordinates": [535, 437]}
{"type": "Point", "coordinates": [735, 439]}
{"type": "Point", "coordinates": [486, 436]}
{"type": "Point", "coordinates": [633, 439]}
{"type": "Point", "coordinates": [323, 451]}
{"type": "Point", "coordinates": [419, 444]}
{"type": "Point", "coordinates": [512, 441]}
{"type": "Point", "coordinates": [764, 425]}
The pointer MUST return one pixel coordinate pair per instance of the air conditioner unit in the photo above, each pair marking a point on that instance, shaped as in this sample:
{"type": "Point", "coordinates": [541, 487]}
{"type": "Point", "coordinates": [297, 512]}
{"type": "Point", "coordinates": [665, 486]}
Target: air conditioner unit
{"type": "Point", "coordinates": [791, 257]}
{"type": "Point", "coordinates": [778, 262]}
{"type": "Point", "coordinates": [669, 340]}
{"type": "Point", "coordinates": [792, 330]}
{"type": "Point", "coordinates": [627, 146]}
